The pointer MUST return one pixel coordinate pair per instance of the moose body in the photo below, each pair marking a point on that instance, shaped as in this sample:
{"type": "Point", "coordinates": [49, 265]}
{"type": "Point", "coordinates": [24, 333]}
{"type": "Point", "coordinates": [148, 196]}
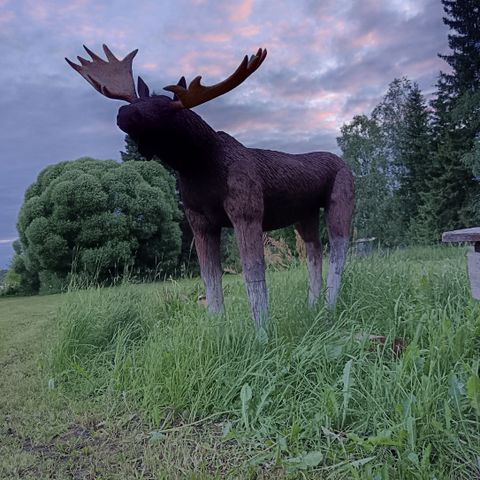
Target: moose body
{"type": "Point", "coordinates": [225, 184]}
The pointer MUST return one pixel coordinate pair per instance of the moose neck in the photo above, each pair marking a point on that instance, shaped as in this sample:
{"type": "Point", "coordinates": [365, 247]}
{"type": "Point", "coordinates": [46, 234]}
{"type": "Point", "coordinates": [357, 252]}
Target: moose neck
{"type": "Point", "coordinates": [190, 144]}
{"type": "Point", "coordinates": [181, 138]}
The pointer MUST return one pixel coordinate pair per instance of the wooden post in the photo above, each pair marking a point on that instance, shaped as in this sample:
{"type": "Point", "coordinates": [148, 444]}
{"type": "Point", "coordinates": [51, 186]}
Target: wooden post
{"type": "Point", "coordinates": [364, 246]}
{"type": "Point", "coordinates": [471, 235]}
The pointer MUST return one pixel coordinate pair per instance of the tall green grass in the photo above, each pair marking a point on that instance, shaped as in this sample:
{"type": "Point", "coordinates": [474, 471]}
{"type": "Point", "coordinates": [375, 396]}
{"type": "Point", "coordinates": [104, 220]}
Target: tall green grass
{"type": "Point", "coordinates": [317, 396]}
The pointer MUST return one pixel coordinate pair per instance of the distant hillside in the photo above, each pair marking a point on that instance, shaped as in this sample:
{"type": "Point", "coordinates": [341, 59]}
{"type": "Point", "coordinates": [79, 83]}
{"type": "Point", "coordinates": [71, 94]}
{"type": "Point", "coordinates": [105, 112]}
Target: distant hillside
{"type": "Point", "coordinates": [2, 275]}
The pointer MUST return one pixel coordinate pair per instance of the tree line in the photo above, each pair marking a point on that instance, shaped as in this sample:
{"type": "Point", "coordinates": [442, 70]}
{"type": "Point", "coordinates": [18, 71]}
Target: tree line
{"type": "Point", "coordinates": [416, 167]}
{"type": "Point", "coordinates": [417, 164]}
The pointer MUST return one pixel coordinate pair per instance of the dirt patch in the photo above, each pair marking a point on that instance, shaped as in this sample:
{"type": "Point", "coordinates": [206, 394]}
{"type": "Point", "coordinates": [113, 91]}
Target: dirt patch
{"type": "Point", "coordinates": [75, 438]}
{"type": "Point", "coordinates": [84, 452]}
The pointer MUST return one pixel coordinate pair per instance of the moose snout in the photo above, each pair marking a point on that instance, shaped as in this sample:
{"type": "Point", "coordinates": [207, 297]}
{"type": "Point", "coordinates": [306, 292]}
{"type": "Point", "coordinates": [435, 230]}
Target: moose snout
{"type": "Point", "coordinates": [129, 117]}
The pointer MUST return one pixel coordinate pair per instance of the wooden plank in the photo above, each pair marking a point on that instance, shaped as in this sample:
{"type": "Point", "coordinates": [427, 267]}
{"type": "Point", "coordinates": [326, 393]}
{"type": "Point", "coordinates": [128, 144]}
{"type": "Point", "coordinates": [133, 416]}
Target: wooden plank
{"type": "Point", "coordinates": [464, 235]}
{"type": "Point", "coordinates": [474, 273]}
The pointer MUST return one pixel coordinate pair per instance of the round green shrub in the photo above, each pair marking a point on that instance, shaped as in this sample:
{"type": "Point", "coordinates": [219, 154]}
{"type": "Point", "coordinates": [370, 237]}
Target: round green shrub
{"type": "Point", "coordinates": [97, 218]}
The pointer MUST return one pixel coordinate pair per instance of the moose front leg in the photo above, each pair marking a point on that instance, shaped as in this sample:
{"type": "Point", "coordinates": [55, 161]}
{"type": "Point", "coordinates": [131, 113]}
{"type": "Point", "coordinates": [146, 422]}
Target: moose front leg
{"type": "Point", "coordinates": [207, 244]}
{"type": "Point", "coordinates": [249, 237]}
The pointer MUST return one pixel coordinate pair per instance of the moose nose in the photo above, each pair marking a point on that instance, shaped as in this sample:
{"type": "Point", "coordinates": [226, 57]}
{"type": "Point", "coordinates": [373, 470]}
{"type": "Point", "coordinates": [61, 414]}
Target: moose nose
{"type": "Point", "coordinates": [128, 117]}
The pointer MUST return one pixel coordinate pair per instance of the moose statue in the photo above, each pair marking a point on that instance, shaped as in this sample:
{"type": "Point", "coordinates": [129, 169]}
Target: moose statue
{"type": "Point", "coordinates": [225, 184]}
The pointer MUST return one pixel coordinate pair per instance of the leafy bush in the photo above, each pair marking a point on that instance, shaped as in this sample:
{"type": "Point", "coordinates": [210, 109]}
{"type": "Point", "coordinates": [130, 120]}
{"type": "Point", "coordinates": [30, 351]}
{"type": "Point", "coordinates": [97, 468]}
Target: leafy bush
{"type": "Point", "coordinates": [11, 283]}
{"type": "Point", "coordinates": [97, 218]}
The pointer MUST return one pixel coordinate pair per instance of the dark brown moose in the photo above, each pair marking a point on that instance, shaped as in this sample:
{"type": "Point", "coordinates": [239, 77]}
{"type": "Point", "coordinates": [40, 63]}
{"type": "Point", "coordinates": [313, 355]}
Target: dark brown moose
{"type": "Point", "coordinates": [225, 184]}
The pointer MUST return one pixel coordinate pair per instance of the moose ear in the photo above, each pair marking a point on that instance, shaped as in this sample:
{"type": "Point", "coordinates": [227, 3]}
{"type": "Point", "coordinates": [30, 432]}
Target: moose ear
{"type": "Point", "coordinates": [181, 83]}
{"type": "Point", "coordinates": [143, 90]}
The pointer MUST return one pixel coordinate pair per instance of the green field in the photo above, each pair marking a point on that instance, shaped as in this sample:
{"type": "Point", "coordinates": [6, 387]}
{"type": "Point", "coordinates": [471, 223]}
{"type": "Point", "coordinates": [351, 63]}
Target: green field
{"type": "Point", "coordinates": [137, 381]}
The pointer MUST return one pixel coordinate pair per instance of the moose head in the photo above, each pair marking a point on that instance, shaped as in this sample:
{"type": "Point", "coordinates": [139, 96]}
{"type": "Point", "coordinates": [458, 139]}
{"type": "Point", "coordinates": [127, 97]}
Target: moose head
{"type": "Point", "coordinates": [225, 184]}
{"type": "Point", "coordinates": [114, 79]}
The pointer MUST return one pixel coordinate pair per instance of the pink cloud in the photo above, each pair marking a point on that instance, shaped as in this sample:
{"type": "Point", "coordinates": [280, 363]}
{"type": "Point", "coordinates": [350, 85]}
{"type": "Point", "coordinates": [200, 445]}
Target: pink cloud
{"type": "Point", "coordinates": [214, 65]}
{"type": "Point", "coordinates": [425, 66]}
{"type": "Point", "coordinates": [178, 36]}
{"type": "Point", "coordinates": [6, 18]}
{"type": "Point", "coordinates": [39, 11]}
{"type": "Point", "coordinates": [370, 39]}
{"type": "Point", "coordinates": [149, 66]}
{"type": "Point", "coordinates": [320, 118]}
{"type": "Point", "coordinates": [73, 6]}
{"type": "Point", "coordinates": [361, 107]}
{"type": "Point", "coordinates": [215, 37]}
{"type": "Point", "coordinates": [44, 10]}
{"type": "Point", "coordinates": [339, 26]}
{"type": "Point", "coordinates": [248, 31]}
{"type": "Point", "coordinates": [241, 12]}
{"type": "Point", "coordinates": [214, 72]}
{"type": "Point", "coordinates": [237, 127]}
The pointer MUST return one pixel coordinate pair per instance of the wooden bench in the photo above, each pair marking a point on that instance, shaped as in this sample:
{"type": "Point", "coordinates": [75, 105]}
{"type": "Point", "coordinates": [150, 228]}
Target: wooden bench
{"type": "Point", "coordinates": [470, 235]}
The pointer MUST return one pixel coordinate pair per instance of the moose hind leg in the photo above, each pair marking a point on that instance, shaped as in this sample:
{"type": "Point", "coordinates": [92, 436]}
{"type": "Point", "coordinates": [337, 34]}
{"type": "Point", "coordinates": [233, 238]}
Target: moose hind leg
{"type": "Point", "coordinates": [338, 216]}
{"type": "Point", "coordinates": [308, 230]}
{"type": "Point", "coordinates": [207, 244]}
{"type": "Point", "coordinates": [338, 255]}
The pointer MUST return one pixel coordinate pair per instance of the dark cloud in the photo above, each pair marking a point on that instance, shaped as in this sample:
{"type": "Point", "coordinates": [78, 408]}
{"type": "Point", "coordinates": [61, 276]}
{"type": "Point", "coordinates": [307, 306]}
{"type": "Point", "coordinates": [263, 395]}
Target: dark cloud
{"type": "Point", "coordinates": [45, 125]}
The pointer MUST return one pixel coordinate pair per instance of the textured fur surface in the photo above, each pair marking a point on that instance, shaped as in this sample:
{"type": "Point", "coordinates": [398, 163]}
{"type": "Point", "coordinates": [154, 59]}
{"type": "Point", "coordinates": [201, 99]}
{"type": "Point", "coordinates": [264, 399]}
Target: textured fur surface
{"type": "Point", "coordinates": [225, 184]}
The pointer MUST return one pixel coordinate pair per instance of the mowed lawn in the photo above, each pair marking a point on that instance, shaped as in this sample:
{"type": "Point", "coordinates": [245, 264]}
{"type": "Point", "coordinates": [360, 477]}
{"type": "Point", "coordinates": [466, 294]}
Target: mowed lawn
{"type": "Point", "coordinates": [26, 331]}
{"type": "Point", "coordinates": [138, 381]}
{"type": "Point", "coordinates": [45, 434]}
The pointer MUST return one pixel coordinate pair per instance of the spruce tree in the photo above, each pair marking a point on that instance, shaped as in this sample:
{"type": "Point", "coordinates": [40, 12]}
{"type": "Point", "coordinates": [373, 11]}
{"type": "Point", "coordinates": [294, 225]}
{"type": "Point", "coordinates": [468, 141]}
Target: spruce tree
{"type": "Point", "coordinates": [131, 152]}
{"type": "Point", "coordinates": [463, 18]}
{"type": "Point", "coordinates": [453, 189]}
{"type": "Point", "coordinates": [413, 160]}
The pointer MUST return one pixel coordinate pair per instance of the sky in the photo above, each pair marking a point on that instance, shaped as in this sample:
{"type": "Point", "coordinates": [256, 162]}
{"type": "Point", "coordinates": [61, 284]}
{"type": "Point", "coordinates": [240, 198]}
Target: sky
{"type": "Point", "coordinates": [328, 60]}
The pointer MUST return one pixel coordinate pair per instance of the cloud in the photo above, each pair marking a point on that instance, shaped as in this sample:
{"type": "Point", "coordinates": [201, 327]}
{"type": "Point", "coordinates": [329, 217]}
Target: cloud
{"type": "Point", "coordinates": [7, 241]}
{"type": "Point", "coordinates": [218, 37]}
{"type": "Point", "coordinates": [6, 18]}
{"type": "Point", "coordinates": [240, 12]}
{"type": "Point", "coordinates": [327, 61]}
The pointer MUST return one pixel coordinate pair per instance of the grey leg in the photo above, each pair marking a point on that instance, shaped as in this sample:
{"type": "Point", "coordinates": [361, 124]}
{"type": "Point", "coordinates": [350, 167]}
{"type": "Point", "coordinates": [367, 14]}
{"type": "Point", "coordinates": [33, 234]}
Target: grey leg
{"type": "Point", "coordinates": [308, 230]}
{"type": "Point", "coordinates": [207, 244]}
{"type": "Point", "coordinates": [338, 255]}
{"type": "Point", "coordinates": [338, 216]}
{"type": "Point", "coordinates": [249, 237]}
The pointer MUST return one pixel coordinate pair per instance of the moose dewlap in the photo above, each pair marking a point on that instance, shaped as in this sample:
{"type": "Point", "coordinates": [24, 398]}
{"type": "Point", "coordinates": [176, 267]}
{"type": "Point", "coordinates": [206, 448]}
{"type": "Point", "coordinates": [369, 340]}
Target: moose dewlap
{"type": "Point", "coordinates": [225, 184]}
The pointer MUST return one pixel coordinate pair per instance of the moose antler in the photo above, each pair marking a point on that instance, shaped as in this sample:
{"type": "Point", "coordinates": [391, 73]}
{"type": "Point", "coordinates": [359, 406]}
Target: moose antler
{"type": "Point", "coordinates": [197, 94]}
{"type": "Point", "coordinates": [112, 78]}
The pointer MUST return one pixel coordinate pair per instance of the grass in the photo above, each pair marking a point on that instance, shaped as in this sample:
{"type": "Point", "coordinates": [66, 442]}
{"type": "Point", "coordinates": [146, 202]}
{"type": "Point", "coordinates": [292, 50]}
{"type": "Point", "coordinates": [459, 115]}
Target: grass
{"type": "Point", "coordinates": [141, 383]}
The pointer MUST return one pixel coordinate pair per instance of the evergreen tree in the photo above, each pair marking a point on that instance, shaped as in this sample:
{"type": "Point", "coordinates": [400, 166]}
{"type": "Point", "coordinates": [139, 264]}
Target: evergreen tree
{"type": "Point", "coordinates": [463, 18]}
{"type": "Point", "coordinates": [452, 201]}
{"type": "Point", "coordinates": [413, 160]}
{"type": "Point", "coordinates": [131, 152]}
